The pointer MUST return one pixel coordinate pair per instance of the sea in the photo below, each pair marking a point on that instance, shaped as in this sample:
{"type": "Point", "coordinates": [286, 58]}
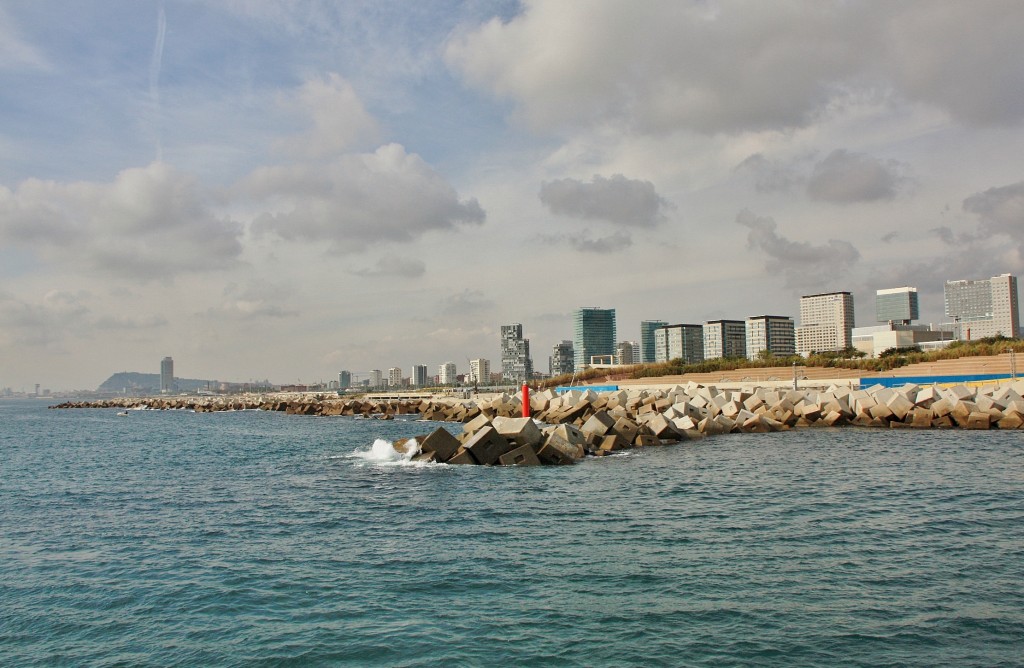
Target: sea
{"type": "Point", "coordinates": [262, 539]}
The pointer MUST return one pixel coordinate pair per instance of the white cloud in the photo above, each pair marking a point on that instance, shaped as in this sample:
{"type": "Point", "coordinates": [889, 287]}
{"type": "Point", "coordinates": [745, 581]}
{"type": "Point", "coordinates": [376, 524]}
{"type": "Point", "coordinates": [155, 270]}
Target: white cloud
{"type": "Point", "coordinates": [802, 264]}
{"type": "Point", "coordinates": [618, 200]}
{"type": "Point", "coordinates": [844, 177]}
{"type": "Point", "coordinates": [731, 67]}
{"type": "Point", "coordinates": [148, 223]}
{"type": "Point", "coordinates": [1001, 210]}
{"type": "Point", "coordinates": [340, 121]}
{"type": "Point", "coordinates": [358, 200]}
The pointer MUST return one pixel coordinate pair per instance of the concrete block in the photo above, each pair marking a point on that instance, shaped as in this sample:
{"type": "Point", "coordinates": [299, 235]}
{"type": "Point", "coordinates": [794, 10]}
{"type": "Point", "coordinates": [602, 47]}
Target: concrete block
{"type": "Point", "coordinates": [569, 440]}
{"type": "Point", "coordinates": [476, 424]}
{"type": "Point", "coordinates": [900, 405]}
{"type": "Point", "coordinates": [463, 456]}
{"type": "Point", "coordinates": [441, 443]}
{"type": "Point", "coordinates": [1011, 420]}
{"type": "Point", "coordinates": [613, 442]}
{"type": "Point", "coordinates": [521, 430]}
{"type": "Point", "coordinates": [926, 396]}
{"type": "Point", "coordinates": [626, 428]}
{"type": "Point", "coordinates": [646, 440]}
{"type": "Point", "coordinates": [978, 420]}
{"type": "Point", "coordinates": [662, 428]}
{"type": "Point", "coordinates": [880, 412]}
{"type": "Point", "coordinates": [550, 454]}
{"type": "Point", "coordinates": [486, 445]}
{"type": "Point", "coordinates": [921, 417]}
{"type": "Point", "coordinates": [521, 456]}
{"type": "Point", "coordinates": [599, 424]}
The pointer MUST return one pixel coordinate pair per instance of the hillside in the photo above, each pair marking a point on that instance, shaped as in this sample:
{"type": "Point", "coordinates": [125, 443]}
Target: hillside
{"type": "Point", "coordinates": [147, 382]}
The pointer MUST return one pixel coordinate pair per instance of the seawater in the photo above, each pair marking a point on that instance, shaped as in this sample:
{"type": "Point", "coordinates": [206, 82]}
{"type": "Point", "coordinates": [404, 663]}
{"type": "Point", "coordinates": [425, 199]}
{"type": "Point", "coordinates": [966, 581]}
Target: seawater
{"type": "Point", "coordinates": [256, 538]}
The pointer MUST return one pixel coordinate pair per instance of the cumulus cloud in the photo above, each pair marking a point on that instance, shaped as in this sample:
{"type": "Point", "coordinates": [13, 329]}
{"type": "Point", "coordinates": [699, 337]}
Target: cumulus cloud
{"type": "Point", "coordinates": [802, 264]}
{"type": "Point", "coordinates": [399, 267]}
{"type": "Point", "coordinates": [339, 119]}
{"type": "Point", "coordinates": [1001, 210]}
{"type": "Point", "coordinates": [148, 223]}
{"type": "Point", "coordinates": [358, 199]}
{"type": "Point", "coordinates": [734, 67]}
{"type": "Point", "coordinates": [844, 177]}
{"type": "Point", "coordinates": [254, 300]}
{"type": "Point", "coordinates": [769, 175]}
{"type": "Point", "coordinates": [618, 200]}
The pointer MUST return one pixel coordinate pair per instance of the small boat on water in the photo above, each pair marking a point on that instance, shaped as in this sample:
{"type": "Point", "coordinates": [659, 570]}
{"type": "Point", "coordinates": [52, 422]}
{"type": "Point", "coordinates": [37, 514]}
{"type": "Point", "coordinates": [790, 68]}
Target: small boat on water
{"type": "Point", "coordinates": [123, 414]}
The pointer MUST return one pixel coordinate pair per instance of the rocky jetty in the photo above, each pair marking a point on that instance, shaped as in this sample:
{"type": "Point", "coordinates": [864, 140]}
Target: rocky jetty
{"type": "Point", "coordinates": [567, 427]}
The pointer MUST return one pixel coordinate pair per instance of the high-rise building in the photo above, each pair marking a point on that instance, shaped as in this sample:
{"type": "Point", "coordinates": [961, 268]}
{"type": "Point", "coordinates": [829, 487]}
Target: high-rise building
{"type": "Point", "coordinates": [647, 351]}
{"type": "Point", "coordinates": [562, 359]}
{"type": "Point", "coordinates": [376, 378]}
{"type": "Point", "coordinates": [480, 371]}
{"type": "Point", "coordinates": [984, 307]}
{"type": "Point", "coordinates": [593, 334]}
{"type": "Point", "coordinates": [516, 365]}
{"type": "Point", "coordinates": [725, 338]}
{"type": "Point", "coordinates": [774, 334]}
{"type": "Point", "coordinates": [685, 342]}
{"type": "Point", "coordinates": [446, 374]}
{"type": "Point", "coordinates": [344, 379]}
{"type": "Point", "coordinates": [896, 305]}
{"type": "Point", "coordinates": [418, 377]}
{"type": "Point", "coordinates": [826, 323]}
{"type": "Point", "coordinates": [395, 377]}
{"type": "Point", "coordinates": [166, 375]}
{"type": "Point", "coordinates": [628, 352]}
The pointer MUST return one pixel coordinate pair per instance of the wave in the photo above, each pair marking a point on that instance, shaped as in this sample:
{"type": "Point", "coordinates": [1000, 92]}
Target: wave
{"type": "Point", "coordinates": [384, 453]}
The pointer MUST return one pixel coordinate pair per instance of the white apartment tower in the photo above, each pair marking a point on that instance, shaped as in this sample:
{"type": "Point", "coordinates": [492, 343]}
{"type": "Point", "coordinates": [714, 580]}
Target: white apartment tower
{"type": "Point", "coordinates": [480, 371]}
{"type": "Point", "coordinates": [395, 377]}
{"type": "Point", "coordinates": [984, 308]}
{"type": "Point", "coordinates": [446, 373]}
{"type": "Point", "coordinates": [826, 323]}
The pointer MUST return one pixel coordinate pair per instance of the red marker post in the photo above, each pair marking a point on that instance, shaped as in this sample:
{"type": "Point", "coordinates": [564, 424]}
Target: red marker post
{"type": "Point", "coordinates": [526, 400]}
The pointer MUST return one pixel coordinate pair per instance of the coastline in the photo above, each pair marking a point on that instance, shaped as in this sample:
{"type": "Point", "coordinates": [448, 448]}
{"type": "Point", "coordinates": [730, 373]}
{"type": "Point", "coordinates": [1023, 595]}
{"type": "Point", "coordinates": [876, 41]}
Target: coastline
{"type": "Point", "coordinates": [568, 426]}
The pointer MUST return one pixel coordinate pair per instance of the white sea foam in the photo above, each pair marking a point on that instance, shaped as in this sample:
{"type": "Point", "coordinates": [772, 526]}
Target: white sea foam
{"type": "Point", "coordinates": [383, 452]}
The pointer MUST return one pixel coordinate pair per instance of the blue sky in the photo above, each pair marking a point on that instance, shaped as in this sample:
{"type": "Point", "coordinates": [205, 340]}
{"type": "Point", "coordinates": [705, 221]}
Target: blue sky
{"type": "Point", "coordinates": [284, 189]}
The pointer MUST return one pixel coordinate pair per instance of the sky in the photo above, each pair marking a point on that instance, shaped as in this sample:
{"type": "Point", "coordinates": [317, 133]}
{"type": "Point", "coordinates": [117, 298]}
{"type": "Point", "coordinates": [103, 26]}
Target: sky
{"type": "Point", "coordinates": [283, 189]}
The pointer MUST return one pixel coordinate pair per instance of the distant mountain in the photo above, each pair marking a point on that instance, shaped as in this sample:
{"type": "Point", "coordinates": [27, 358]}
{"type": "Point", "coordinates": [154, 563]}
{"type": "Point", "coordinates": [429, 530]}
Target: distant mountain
{"type": "Point", "coordinates": [148, 382]}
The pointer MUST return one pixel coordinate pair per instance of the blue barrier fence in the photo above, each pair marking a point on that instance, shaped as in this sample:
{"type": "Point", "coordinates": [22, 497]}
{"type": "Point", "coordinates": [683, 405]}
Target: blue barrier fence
{"type": "Point", "coordinates": [898, 381]}
{"type": "Point", "coordinates": [562, 389]}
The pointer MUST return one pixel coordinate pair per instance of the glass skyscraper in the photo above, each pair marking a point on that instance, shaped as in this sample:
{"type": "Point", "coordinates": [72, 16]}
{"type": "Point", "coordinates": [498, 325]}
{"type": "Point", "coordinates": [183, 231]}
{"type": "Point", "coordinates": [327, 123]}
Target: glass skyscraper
{"type": "Point", "coordinates": [896, 305]}
{"type": "Point", "coordinates": [594, 334]}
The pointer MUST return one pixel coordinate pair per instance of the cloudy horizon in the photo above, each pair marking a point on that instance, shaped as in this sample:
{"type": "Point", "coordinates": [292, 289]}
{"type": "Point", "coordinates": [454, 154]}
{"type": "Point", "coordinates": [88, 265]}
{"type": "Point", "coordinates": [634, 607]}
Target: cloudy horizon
{"type": "Point", "coordinates": [285, 189]}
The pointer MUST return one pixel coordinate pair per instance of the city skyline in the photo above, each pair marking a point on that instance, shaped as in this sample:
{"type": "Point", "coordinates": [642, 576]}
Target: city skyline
{"type": "Point", "coordinates": [286, 190]}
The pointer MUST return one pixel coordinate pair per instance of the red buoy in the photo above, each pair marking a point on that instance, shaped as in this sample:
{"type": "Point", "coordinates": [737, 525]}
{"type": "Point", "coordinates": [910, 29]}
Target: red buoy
{"type": "Point", "coordinates": [526, 400]}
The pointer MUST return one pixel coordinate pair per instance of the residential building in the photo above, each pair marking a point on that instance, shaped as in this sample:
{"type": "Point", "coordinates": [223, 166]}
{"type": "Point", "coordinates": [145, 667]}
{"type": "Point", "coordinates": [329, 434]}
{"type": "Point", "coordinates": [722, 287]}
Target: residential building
{"type": "Point", "coordinates": [480, 371]}
{"type": "Point", "coordinates": [446, 374]}
{"type": "Point", "coordinates": [516, 365]}
{"type": "Point", "coordinates": [983, 308]}
{"type": "Point", "coordinates": [647, 350]}
{"type": "Point", "coordinates": [685, 342]}
{"type": "Point", "coordinates": [394, 377]}
{"type": "Point", "coordinates": [593, 334]}
{"type": "Point", "coordinates": [376, 378]}
{"type": "Point", "coordinates": [774, 334]}
{"type": "Point", "coordinates": [628, 352]}
{"type": "Point", "coordinates": [896, 305]}
{"type": "Point", "coordinates": [418, 377]}
{"type": "Point", "coordinates": [344, 379]}
{"type": "Point", "coordinates": [166, 375]}
{"type": "Point", "coordinates": [725, 338]}
{"type": "Point", "coordinates": [562, 359]}
{"type": "Point", "coordinates": [826, 323]}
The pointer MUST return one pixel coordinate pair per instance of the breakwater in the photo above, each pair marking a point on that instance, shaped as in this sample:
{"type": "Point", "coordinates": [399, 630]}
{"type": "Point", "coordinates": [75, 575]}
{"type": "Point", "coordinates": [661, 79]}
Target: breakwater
{"type": "Point", "coordinates": [569, 426]}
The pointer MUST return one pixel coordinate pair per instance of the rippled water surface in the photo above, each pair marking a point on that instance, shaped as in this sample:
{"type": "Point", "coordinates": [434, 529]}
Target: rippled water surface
{"type": "Point", "coordinates": [252, 538]}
